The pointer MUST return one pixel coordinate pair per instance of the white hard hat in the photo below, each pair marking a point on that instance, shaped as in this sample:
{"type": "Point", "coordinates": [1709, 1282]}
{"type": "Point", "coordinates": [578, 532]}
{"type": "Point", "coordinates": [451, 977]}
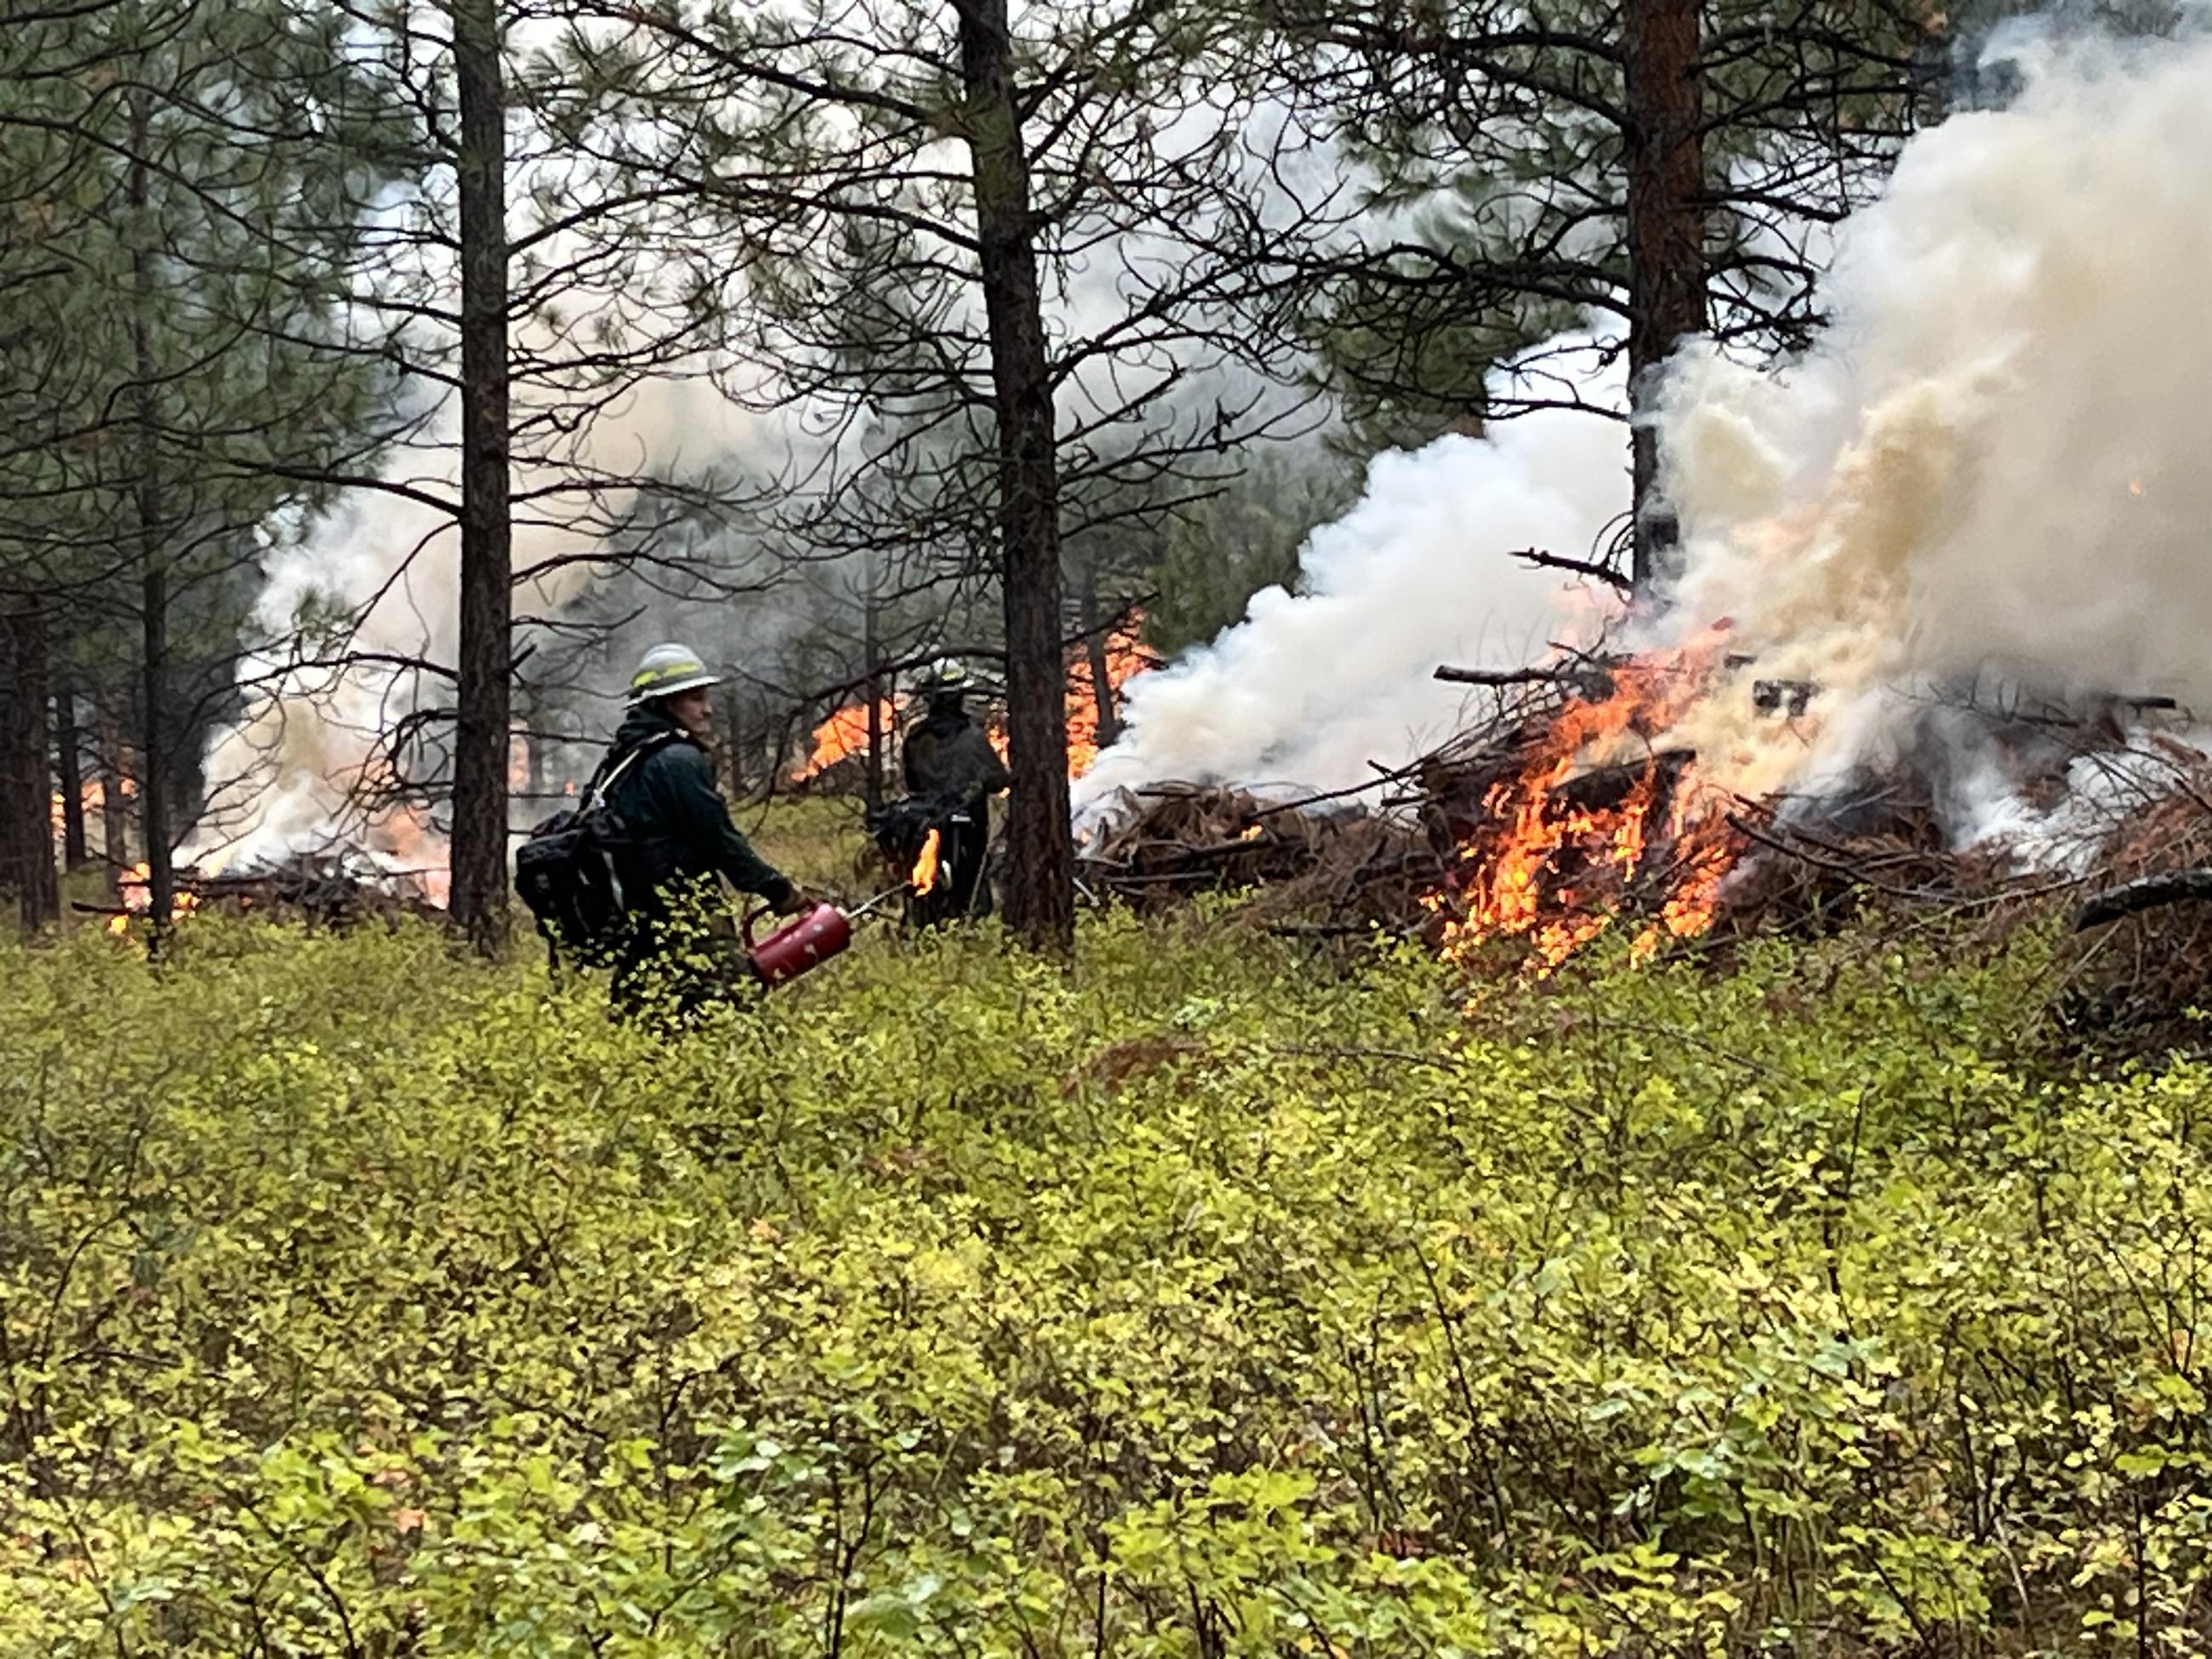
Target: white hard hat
{"type": "Point", "coordinates": [666, 670]}
{"type": "Point", "coordinates": [946, 676]}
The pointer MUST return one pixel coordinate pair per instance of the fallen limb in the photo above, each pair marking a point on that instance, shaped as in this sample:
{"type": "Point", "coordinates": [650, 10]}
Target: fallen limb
{"type": "Point", "coordinates": [1564, 674]}
{"type": "Point", "coordinates": [1590, 568]}
{"type": "Point", "coordinates": [2145, 893]}
{"type": "Point", "coordinates": [1382, 776]}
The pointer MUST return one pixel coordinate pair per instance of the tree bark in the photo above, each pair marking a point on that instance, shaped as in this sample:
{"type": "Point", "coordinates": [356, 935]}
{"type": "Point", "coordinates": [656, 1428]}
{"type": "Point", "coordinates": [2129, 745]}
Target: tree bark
{"type": "Point", "coordinates": [481, 743]}
{"type": "Point", "coordinates": [154, 747]}
{"type": "Point", "coordinates": [114, 810]}
{"type": "Point", "coordinates": [154, 577]}
{"type": "Point", "coordinates": [27, 825]}
{"type": "Point", "coordinates": [68, 772]}
{"type": "Point", "coordinates": [1041, 883]}
{"type": "Point", "coordinates": [1095, 643]}
{"type": "Point", "coordinates": [872, 790]}
{"type": "Point", "coordinates": [1661, 53]}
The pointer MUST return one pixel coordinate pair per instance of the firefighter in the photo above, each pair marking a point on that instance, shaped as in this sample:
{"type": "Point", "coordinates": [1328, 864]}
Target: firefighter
{"type": "Point", "coordinates": [949, 760]}
{"type": "Point", "coordinates": [677, 836]}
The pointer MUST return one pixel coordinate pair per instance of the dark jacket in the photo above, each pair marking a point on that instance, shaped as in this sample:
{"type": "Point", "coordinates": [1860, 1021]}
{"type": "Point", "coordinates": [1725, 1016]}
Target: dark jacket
{"type": "Point", "coordinates": [947, 756]}
{"type": "Point", "coordinates": [679, 825]}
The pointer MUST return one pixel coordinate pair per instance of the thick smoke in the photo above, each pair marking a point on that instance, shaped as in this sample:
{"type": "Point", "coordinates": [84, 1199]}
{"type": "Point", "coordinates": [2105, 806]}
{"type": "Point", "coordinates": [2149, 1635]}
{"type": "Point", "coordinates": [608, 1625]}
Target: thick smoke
{"type": "Point", "coordinates": [1989, 469]}
{"type": "Point", "coordinates": [1991, 464]}
{"type": "Point", "coordinates": [1312, 685]}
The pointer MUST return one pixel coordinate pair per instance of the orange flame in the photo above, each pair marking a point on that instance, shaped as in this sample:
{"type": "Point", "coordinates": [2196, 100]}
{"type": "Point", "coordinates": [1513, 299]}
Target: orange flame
{"type": "Point", "coordinates": [411, 843]}
{"type": "Point", "coordinates": [1548, 868]}
{"type": "Point", "coordinates": [925, 867]}
{"type": "Point", "coordinates": [1125, 659]}
{"type": "Point", "coordinates": [845, 734]}
{"type": "Point", "coordinates": [137, 893]}
{"type": "Point", "coordinates": [93, 798]}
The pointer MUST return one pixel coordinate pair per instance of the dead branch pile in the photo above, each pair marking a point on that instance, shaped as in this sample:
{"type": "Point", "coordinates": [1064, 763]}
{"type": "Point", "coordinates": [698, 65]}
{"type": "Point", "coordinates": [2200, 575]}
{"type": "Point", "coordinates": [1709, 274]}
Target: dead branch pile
{"type": "Point", "coordinates": [335, 889]}
{"type": "Point", "coordinates": [2114, 811]}
{"type": "Point", "coordinates": [1807, 872]}
{"type": "Point", "coordinates": [2140, 959]}
{"type": "Point", "coordinates": [1321, 866]}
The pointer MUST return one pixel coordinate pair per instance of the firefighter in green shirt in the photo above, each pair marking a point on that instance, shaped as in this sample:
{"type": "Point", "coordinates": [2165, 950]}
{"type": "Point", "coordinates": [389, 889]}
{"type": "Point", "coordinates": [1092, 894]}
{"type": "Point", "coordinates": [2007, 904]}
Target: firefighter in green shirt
{"type": "Point", "coordinates": [678, 840]}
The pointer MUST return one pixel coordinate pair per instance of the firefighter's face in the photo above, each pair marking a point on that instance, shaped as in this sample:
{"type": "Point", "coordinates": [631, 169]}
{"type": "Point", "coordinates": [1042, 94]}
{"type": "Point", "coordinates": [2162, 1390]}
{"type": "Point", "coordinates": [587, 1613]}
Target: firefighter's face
{"type": "Point", "coordinates": [694, 712]}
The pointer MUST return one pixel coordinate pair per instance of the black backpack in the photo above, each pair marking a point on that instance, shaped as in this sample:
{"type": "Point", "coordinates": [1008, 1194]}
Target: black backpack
{"type": "Point", "coordinates": [565, 872]}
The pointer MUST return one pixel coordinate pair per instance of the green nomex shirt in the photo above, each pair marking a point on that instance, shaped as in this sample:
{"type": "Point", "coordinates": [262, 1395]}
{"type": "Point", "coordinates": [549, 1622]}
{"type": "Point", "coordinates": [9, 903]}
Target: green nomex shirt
{"type": "Point", "coordinates": [679, 823]}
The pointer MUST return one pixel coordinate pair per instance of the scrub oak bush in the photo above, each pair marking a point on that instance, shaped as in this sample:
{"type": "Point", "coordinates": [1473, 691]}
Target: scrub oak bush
{"type": "Point", "coordinates": [357, 1299]}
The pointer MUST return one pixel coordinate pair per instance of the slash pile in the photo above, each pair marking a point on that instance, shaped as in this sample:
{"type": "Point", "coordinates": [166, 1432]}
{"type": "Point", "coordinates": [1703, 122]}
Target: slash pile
{"type": "Point", "coordinates": [1330, 867]}
{"type": "Point", "coordinates": [1569, 809]}
{"type": "Point", "coordinates": [335, 889]}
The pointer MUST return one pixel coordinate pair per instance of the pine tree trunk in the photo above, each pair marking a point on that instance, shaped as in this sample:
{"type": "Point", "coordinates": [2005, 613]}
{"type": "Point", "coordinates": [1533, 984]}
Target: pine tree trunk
{"type": "Point", "coordinates": [114, 801]}
{"type": "Point", "coordinates": [1095, 644]}
{"type": "Point", "coordinates": [1041, 881]}
{"type": "Point", "coordinates": [1661, 51]}
{"type": "Point", "coordinates": [27, 825]}
{"type": "Point", "coordinates": [481, 745]}
{"type": "Point", "coordinates": [154, 577]}
{"type": "Point", "coordinates": [872, 792]}
{"type": "Point", "coordinates": [159, 856]}
{"type": "Point", "coordinates": [69, 771]}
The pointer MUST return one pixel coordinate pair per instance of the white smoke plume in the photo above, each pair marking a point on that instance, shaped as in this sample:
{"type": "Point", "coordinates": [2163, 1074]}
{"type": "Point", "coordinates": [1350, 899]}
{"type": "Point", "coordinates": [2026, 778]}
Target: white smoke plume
{"type": "Point", "coordinates": [290, 775]}
{"type": "Point", "coordinates": [1311, 686]}
{"type": "Point", "coordinates": [1989, 466]}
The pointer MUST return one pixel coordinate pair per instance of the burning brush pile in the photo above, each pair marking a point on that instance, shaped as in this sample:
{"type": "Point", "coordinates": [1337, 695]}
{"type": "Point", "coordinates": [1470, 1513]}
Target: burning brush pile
{"type": "Point", "coordinates": [1542, 827]}
{"type": "Point", "coordinates": [1568, 813]}
{"type": "Point", "coordinates": [339, 888]}
{"type": "Point", "coordinates": [1575, 810]}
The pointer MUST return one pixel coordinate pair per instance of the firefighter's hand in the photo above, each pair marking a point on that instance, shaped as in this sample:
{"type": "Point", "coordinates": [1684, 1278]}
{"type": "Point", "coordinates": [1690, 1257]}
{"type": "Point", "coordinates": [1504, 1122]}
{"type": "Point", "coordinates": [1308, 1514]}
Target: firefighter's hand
{"type": "Point", "coordinates": [797, 902]}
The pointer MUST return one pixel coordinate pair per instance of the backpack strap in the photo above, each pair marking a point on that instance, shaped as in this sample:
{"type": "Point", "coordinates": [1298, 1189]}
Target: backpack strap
{"type": "Point", "coordinates": [617, 766]}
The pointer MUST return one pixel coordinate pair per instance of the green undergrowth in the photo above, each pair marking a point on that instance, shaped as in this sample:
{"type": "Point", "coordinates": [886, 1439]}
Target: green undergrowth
{"type": "Point", "coordinates": [1204, 1300]}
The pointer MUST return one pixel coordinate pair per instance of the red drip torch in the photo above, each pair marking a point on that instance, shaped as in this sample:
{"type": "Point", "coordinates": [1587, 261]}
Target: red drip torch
{"type": "Point", "coordinates": [805, 942]}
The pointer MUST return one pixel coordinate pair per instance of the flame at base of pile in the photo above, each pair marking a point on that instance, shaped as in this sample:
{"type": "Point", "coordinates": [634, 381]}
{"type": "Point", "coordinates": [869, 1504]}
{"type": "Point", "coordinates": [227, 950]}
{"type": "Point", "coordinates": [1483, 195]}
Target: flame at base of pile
{"type": "Point", "coordinates": [1582, 818]}
{"type": "Point", "coordinates": [136, 892]}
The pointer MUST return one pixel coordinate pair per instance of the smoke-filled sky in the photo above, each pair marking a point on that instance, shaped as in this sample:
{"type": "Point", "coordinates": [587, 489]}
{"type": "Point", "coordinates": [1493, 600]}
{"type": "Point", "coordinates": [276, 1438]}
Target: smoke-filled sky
{"type": "Point", "coordinates": [1992, 461]}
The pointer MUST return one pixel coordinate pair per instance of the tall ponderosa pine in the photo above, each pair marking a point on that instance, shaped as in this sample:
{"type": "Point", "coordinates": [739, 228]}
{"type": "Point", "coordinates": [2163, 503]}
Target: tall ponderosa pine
{"type": "Point", "coordinates": [1040, 893]}
{"type": "Point", "coordinates": [1657, 167]}
{"type": "Point", "coordinates": [487, 569]}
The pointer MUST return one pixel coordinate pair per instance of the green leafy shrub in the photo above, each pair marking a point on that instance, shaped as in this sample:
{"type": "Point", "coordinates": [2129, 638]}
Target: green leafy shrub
{"type": "Point", "coordinates": [1198, 1301]}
